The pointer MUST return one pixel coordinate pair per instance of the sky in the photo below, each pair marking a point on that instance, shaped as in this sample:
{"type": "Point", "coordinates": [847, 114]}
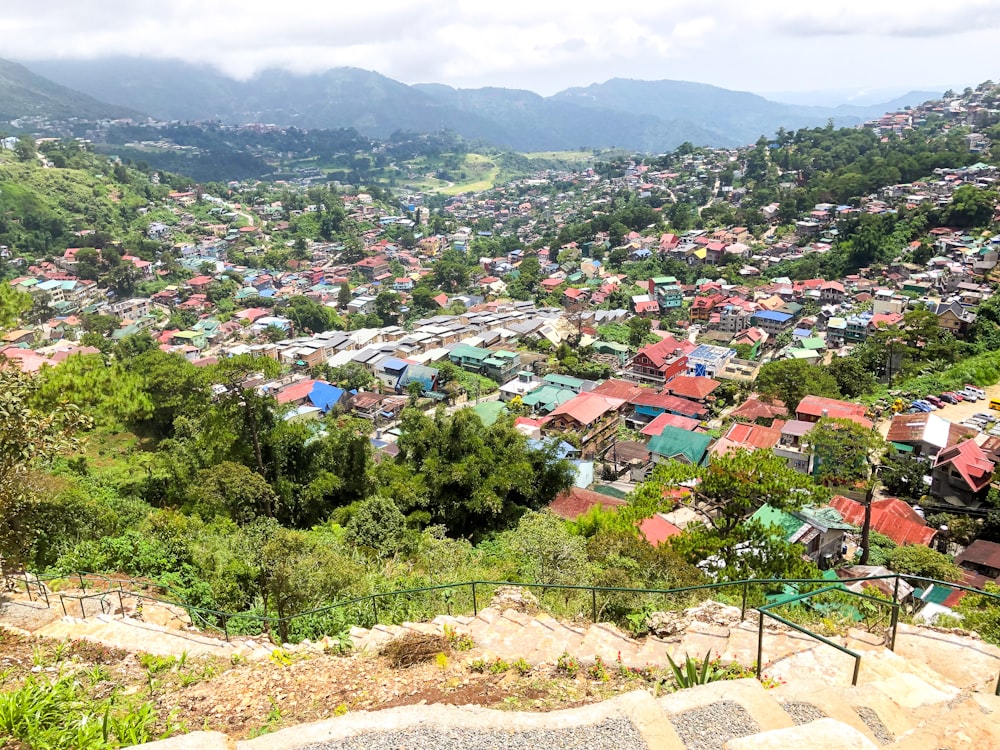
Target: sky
{"type": "Point", "coordinates": [543, 45]}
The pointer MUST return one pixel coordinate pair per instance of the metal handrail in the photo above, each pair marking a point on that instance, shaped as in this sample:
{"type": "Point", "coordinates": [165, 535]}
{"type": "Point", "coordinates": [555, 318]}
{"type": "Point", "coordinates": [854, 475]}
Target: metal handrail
{"type": "Point", "coordinates": [267, 622]}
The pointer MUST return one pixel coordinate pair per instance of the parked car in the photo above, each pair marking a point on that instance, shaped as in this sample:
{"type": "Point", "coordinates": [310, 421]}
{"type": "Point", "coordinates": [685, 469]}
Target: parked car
{"type": "Point", "coordinates": [948, 398]}
{"type": "Point", "coordinates": [922, 406]}
{"type": "Point", "coordinates": [969, 395]}
{"type": "Point", "coordinates": [975, 389]}
{"type": "Point", "coordinates": [956, 395]}
{"type": "Point", "coordinates": [934, 400]}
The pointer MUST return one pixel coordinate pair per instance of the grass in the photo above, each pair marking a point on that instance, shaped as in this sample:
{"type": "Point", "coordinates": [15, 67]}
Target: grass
{"type": "Point", "coordinates": [481, 174]}
{"type": "Point", "coordinates": [575, 156]}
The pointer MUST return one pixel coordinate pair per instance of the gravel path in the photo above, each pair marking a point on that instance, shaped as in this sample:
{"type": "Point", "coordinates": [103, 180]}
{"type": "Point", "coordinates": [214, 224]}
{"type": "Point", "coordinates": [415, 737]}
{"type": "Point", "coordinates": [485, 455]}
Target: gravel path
{"type": "Point", "coordinates": [874, 723]}
{"type": "Point", "coordinates": [26, 615]}
{"type": "Point", "coordinates": [710, 727]}
{"type": "Point", "coordinates": [612, 734]}
{"type": "Point", "coordinates": [802, 713]}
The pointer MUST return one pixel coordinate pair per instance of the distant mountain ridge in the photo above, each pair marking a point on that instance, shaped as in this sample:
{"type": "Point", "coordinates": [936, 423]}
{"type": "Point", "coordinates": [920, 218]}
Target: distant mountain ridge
{"type": "Point", "coordinates": [27, 94]}
{"type": "Point", "coordinates": [638, 115]}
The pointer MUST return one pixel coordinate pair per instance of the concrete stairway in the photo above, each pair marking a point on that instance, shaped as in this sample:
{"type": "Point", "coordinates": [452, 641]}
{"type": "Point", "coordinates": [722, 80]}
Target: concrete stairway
{"type": "Point", "coordinates": [730, 715]}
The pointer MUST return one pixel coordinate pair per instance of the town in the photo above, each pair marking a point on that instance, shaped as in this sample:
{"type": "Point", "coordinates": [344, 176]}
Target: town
{"type": "Point", "coordinates": [353, 364]}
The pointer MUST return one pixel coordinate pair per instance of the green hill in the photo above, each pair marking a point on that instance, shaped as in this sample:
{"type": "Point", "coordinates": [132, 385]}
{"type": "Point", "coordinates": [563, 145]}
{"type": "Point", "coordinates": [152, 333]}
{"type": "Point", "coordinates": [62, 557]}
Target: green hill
{"type": "Point", "coordinates": [25, 94]}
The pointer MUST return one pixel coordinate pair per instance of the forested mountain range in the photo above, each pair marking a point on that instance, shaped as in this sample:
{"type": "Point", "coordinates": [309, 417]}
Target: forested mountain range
{"type": "Point", "coordinates": [25, 94]}
{"type": "Point", "coordinates": [638, 115]}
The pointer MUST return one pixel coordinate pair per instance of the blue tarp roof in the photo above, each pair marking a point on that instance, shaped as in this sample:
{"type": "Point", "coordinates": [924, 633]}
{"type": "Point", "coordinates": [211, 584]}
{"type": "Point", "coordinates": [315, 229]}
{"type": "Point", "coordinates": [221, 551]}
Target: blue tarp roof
{"type": "Point", "coordinates": [325, 396]}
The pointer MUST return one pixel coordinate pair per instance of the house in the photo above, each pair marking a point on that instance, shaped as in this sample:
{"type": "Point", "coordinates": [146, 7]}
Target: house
{"type": "Point", "coordinates": [654, 428]}
{"type": "Point", "coordinates": [366, 405]}
{"type": "Point", "coordinates": [522, 385]}
{"type": "Point", "coordinates": [925, 435]}
{"type": "Point", "coordinates": [755, 338]}
{"type": "Point", "coordinates": [791, 448]}
{"type": "Point", "coordinates": [592, 418]}
{"type": "Point", "coordinates": [501, 365]}
{"type": "Point", "coordinates": [707, 360]}
{"type": "Point", "coordinates": [771, 321]}
{"type": "Point", "coordinates": [962, 474]}
{"type": "Point", "coordinates": [761, 412]}
{"type": "Point", "coordinates": [658, 362]}
{"type": "Point", "coordinates": [363, 305]}
{"type": "Point", "coordinates": [981, 557]}
{"type": "Point", "coordinates": [703, 307]}
{"type": "Point", "coordinates": [657, 529]}
{"type": "Point", "coordinates": [576, 385]}
{"type": "Point", "coordinates": [831, 293]}
{"type": "Point", "coordinates": [389, 371]}
{"type": "Point", "coordinates": [747, 436]}
{"type": "Point", "coordinates": [648, 405]}
{"type": "Point", "coordinates": [890, 516]}
{"type": "Point", "coordinates": [373, 267]}
{"type": "Point", "coordinates": [676, 444]}
{"type": "Point", "coordinates": [820, 530]}
{"type": "Point", "coordinates": [547, 398]}
{"type": "Point", "coordinates": [575, 502]}
{"type": "Point", "coordinates": [666, 291]}
{"type": "Point", "coordinates": [414, 373]}
{"type": "Point", "coordinates": [814, 408]}
{"type": "Point", "coordinates": [734, 318]}
{"type": "Point", "coordinates": [690, 387]}
{"type": "Point", "coordinates": [955, 318]}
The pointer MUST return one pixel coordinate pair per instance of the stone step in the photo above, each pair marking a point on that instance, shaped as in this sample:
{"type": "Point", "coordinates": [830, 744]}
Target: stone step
{"type": "Point", "coordinates": [804, 697]}
{"type": "Point", "coordinates": [822, 734]}
{"type": "Point", "coordinates": [740, 701]}
{"type": "Point", "coordinates": [963, 726]}
{"type": "Point", "coordinates": [961, 660]}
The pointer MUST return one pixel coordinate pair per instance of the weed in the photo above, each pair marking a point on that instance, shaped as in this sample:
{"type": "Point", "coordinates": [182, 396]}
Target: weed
{"type": "Point", "coordinates": [597, 670]}
{"type": "Point", "coordinates": [155, 664]}
{"type": "Point", "coordinates": [340, 643]}
{"type": "Point", "coordinates": [340, 709]}
{"type": "Point", "coordinates": [521, 666]}
{"type": "Point", "coordinates": [478, 665]}
{"type": "Point", "coordinates": [568, 665]}
{"type": "Point", "coordinates": [458, 641]}
{"type": "Point", "coordinates": [281, 657]}
{"type": "Point", "coordinates": [59, 651]}
{"type": "Point", "coordinates": [499, 666]}
{"type": "Point", "coordinates": [413, 648]}
{"type": "Point", "coordinates": [98, 674]}
{"type": "Point", "coordinates": [237, 659]}
{"type": "Point", "coordinates": [442, 660]}
{"type": "Point", "coordinates": [38, 656]}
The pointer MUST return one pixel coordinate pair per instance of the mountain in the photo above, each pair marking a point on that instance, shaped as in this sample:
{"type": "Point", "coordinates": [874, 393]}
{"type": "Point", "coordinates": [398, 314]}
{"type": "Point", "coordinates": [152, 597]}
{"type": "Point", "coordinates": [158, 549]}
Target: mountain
{"type": "Point", "coordinates": [24, 94]}
{"type": "Point", "coordinates": [738, 116]}
{"type": "Point", "coordinates": [639, 115]}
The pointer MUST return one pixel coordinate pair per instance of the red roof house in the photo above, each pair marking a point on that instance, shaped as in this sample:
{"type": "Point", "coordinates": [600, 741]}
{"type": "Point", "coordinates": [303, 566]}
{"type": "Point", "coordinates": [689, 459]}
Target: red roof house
{"type": "Point", "coordinates": [891, 517]}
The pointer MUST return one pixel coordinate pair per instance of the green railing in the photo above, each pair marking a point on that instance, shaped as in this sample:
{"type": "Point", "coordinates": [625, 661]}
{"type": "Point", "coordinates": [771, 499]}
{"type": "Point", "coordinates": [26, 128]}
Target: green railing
{"type": "Point", "coordinates": [383, 606]}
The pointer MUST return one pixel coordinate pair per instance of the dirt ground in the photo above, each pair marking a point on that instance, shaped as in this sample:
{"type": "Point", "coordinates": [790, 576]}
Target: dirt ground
{"type": "Point", "coordinates": [957, 412]}
{"type": "Point", "coordinates": [246, 699]}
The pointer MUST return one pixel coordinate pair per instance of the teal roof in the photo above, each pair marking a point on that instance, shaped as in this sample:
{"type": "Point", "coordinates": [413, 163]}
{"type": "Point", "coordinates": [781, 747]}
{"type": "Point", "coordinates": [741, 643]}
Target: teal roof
{"type": "Point", "coordinates": [489, 411]}
{"type": "Point", "coordinates": [548, 397]}
{"type": "Point", "coordinates": [803, 354]}
{"type": "Point", "coordinates": [564, 380]}
{"type": "Point", "coordinates": [824, 516]}
{"type": "Point", "coordinates": [786, 523]}
{"type": "Point", "coordinates": [674, 442]}
{"type": "Point", "coordinates": [813, 342]}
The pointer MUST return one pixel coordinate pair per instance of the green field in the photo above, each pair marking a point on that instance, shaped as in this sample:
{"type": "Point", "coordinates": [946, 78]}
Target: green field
{"type": "Point", "coordinates": [574, 156]}
{"type": "Point", "coordinates": [480, 174]}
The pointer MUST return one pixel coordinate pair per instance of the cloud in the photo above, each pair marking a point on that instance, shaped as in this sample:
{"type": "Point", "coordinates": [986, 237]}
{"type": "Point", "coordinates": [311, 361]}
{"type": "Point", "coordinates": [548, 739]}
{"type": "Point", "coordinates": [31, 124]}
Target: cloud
{"type": "Point", "coordinates": [541, 45]}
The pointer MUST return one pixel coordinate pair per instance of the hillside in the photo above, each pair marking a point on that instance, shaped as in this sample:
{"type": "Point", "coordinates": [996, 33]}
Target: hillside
{"type": "Point", "coordinates": [639, 115]}
{"type": "Point", "coordinates": [24, 94]}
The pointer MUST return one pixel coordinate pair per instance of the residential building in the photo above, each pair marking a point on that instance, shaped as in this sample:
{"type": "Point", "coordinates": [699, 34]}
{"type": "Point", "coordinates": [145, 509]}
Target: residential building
{"type": "Point", "coordinates": [889, 516]}
{"type": "Point", "coordinates": [962, 474]}
{"type": "Point", "coordinates": [522, 385]}
{"type": "Point", "coordinates": [676, 444]}
{"type": "Point", "coordinates": [658, 362]}
{"type": "Point", "coordinates": [981, 557]}
{"type": "Point", "coordinates": [791, 448]}
{"type": "Point", "coordinates": [820, 530]}
{"type": "Point", "coordinates": [772, 321]}
{"type": "Point", "coordinates": [814, 408]}
{"type": "Point", "coordinates": [707, 360]}
{"type": "Point", "coordinates": [591, 417]}
{"type": "Point", "coordinates": [924, 434]}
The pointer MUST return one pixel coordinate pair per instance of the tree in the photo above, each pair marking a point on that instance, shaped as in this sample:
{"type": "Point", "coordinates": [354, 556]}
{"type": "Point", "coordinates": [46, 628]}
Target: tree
{"type": "Point", "coordinates": [252, 411]}
{"type": "Point", "coordinates": [843, 451]}
{"type": "Point", "coordinates": [13, 304]}
{"type": "Point", "coordinates": [548, 551]}
{"type": "Point", "coordinates": [232, 490]}
{"type": "Point", "coordinates": [343, 296]}
{"type": "Point", "coordinates": [29, 439]}
{"type": "Point", "coordinates": [638, 329]}
{"type": "Point", "coordinates": [791, 380]}
{"type": "Point", "coordinates": [387, 307]}
{"type": "Point", "coordinates": [378, 525]}
{"type": "Point", "coordinates": [848, 453]}
{"type": "Point", "coordinates": [726, 494]}
{"type": "Point", "coordinates": [25, 149]}
{"type": "Point", "coordinates": [918, 560]}
{"type": "Point", "coordinates": [970, 207]}
{"type": "Point", "coordinates": [853, 378]}
{"type": "Point", "coordinates": [308, 315]}
{"type": "Point", "coordinates": [903, 475]}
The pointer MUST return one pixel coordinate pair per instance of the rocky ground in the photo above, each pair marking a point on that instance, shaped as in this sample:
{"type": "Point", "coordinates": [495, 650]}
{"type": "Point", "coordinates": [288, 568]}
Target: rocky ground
{"type": "Point", "coordinates": [246, 699]}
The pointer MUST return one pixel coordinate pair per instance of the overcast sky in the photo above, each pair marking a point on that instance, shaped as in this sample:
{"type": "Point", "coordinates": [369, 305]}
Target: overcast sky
{"type": "Point", "coordinates": [542, 45]}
